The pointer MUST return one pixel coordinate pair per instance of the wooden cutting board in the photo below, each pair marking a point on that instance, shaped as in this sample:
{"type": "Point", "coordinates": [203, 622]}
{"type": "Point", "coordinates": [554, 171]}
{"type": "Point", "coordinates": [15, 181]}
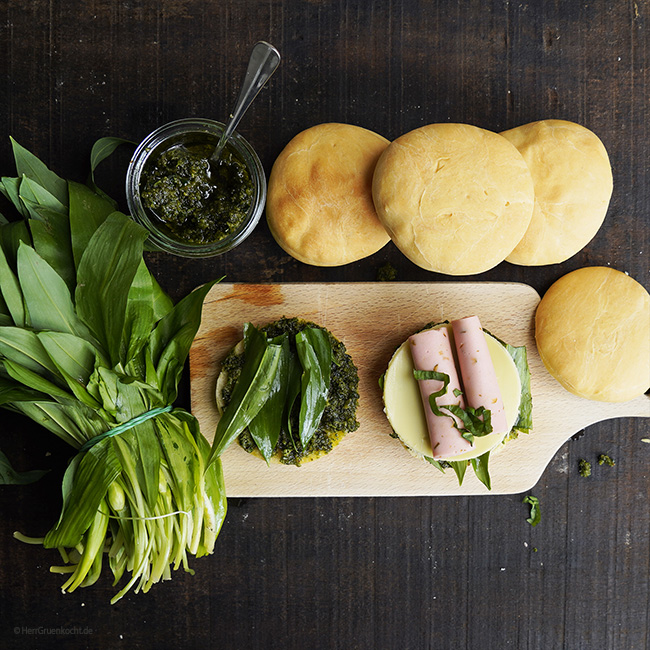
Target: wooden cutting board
{"type": "Point", "coordinates": [372, 319]}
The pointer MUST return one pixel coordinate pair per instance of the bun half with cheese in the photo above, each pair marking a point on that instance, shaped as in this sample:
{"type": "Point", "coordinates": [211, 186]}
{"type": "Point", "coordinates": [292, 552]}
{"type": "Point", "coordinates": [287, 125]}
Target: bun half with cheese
{"type": "Point", "coordinates": [453, 393]}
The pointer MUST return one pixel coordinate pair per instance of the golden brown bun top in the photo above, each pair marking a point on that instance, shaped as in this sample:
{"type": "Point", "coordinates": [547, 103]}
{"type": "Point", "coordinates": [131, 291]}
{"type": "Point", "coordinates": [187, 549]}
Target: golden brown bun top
{"type": "Point", "coordinates": [573, 186]}
{"type": "Point", "coordinates": [455, 198]}
{"type": "Point", "coordinates": [319, 203]}
{"type": "Point", "coordinates": [593, 334]}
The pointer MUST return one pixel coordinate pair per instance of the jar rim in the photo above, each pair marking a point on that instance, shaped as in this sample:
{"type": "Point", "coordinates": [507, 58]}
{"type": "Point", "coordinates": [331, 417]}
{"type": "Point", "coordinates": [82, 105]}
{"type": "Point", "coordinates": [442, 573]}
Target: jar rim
{"type": "Point", "coordinates": [152, 143]}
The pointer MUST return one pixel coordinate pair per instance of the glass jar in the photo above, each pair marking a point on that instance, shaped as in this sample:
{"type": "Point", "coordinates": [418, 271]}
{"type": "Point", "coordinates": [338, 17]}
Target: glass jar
{"type": "Point", "coordinates": [191, 131]}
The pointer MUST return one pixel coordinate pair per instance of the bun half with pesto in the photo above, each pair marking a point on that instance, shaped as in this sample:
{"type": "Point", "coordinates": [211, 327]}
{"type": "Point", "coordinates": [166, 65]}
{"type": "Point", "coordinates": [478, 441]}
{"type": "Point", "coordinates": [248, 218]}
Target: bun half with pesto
{"type": "Point", "coordinates": [453, 393]}
{"type": "Point", "coordinates": [287, 391]}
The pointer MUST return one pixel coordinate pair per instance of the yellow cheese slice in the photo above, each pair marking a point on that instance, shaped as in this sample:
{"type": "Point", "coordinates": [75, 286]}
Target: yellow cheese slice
{"type": "Point", "coordinates": [405, 411]}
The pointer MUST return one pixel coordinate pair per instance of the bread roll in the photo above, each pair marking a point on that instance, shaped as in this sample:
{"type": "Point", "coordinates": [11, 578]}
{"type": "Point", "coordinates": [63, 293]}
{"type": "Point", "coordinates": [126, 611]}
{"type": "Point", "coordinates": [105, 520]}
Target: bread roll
{"type": "Point", "coordinates": [319, 203]}
{"type": "Point", "coordinates": [593, 334]}
{"type": "Point", "coordinates": [573, 186]}
{"type": "Point", "coordinates": [455, 198]}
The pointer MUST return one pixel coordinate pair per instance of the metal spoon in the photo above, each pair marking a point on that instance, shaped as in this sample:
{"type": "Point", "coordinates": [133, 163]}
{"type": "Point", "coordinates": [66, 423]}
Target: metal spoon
{"type": "Point", "coordinates": [263, 63]}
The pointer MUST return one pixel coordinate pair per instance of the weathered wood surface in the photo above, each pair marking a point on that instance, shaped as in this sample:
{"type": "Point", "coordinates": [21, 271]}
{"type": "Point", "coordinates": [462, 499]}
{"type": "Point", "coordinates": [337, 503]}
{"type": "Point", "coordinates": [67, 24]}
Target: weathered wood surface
{"type": "Point", "coordinates": [372, 572]}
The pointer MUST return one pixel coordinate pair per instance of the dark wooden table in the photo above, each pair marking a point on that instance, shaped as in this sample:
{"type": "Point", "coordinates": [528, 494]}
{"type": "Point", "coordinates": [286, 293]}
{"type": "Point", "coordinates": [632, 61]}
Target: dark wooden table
{"type": "Point", "coordinates": [384, 573]}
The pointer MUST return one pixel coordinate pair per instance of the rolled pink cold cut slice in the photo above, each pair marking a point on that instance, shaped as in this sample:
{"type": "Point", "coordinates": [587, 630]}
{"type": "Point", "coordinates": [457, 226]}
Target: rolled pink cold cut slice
{"type": "Point", "coordinates": [477, 370]}
{"type": "Point", "coordinates": [431, 350]}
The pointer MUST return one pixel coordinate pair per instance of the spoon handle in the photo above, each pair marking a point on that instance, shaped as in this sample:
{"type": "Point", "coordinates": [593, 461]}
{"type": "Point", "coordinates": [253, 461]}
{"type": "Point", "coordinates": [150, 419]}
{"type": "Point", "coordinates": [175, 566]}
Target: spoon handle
{"type": "Point", "coordinates": [263, 63]}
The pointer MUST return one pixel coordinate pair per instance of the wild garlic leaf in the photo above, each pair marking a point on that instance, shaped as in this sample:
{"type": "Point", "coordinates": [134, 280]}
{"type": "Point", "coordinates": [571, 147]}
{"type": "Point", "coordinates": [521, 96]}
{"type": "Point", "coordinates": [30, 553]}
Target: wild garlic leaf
{"type": "Point", "coordinates": [535, 512]}
{"type": "Point", "coordinates": [519, 355]}
{"type": "Point", "coordinates": [34, 196]}
{"type": "Point", "coordinates": [11, 235]}
{"type": "Point", "coordinates": [11, 292]}
{"type": "Point", "coordinates": [10, 187]}
{"type": "Point", "coordinates": [47, 297]}
{"type": "Point", "coordinates": [13, 391]}
{"type": "Point", "coordinates": [27, 164]}
{"type": "Point", "coordinates": [312, 345]}
{"type": "Point", "coordinates": [266, 426]}
{"type": "Point", "coordinates": [139, 318]}
{"type": "Point", "coordinates": [24, 347]}
{"type": "Point", "coordinates": [251, 391]}
{"type": "Point", "coordinates": [139, 453]}
{"type": "Point", "coordinates": [88, 211]}
{"type": "Point", "coordinates": [480, 465]}
{"type": "Point", "coordinates": [104, 277]}
{"type": "Point", "coordinates": [51, 238]}
{"type": "Point", "coordinates": [96, 470]}
{"type": "Point", "coordinates": [34, 380]}
{"type": "Point", "coordinates": [9, 476]}
{"type": "Point", "coordinates": [170, 342]}
{"type": "Point", "coordinates": [459, 467]}
{"type": "Point", "coordinates": [101, 150]}
{"type": "Point", "coordinates": [435, 463]}
{"type": "Point", "coordinates": [74, 355]}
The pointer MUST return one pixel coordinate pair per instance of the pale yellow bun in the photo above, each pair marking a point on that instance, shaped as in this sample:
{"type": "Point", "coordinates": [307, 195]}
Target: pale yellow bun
{"type": "Point", "coordinates": [573, 186]}
{"type": "Point", "coordinates": [593, 334]}
{"type": "Point", "coordinates": [455, 198]}
{"type": "Point", "coordinates": [319, 202]}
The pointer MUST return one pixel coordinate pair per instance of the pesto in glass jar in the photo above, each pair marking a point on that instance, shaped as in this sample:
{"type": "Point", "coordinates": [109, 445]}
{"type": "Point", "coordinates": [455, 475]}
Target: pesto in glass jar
{"type": "Point", "coordinates": [195, 200]}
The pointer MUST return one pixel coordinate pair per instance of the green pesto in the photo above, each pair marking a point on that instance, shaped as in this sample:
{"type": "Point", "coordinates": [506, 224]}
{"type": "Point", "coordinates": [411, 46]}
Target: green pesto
{"type": "Point", "coordinates": [195, 200]}
{"type": "Point", "coordinates": [339, 416]}
{"type": "Point", "coordinates": [606, 459]}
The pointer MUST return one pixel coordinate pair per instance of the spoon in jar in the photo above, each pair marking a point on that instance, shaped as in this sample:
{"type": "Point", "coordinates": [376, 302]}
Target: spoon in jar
{"type": "Point", "coordinates": [263, 63]}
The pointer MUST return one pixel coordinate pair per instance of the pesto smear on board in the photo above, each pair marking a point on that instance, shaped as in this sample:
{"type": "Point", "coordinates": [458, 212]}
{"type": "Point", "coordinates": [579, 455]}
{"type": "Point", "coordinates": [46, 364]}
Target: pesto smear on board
{"type": "Point", "coordinates": [197, 201]}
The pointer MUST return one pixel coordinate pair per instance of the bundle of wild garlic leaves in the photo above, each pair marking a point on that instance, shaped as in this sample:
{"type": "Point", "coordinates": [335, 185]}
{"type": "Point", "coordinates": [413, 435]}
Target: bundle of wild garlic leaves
{"type": "Point", "coordinates": [90, 344]}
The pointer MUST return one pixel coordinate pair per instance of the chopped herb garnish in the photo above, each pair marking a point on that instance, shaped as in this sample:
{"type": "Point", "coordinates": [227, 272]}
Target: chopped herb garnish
{"type": "Point", "coordinates": [535, 514]}
{"type": "Point", "coordinates": [386, 273]}
{"type": "Point", "coordinates": [476, 422]}
{"type": "Point", "coordinates": [584, 467]}
{"type": "Point", "coordinates": [605, 459]}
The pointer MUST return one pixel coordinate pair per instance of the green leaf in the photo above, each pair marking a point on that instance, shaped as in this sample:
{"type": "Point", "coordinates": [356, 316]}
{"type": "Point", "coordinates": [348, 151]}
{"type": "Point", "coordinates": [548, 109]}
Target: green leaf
{"type": "Point", "coordinates": [27, 164]}
{"type": "Point", "coordinates": [250, 393]}
{"type": "Point", "coordinates": [436, 464]}
{"type": "Point", "coordinates": [315, 353]}
{"type": "Point", "coordinates": [535, 513]}
{"type": "Point", "coordinates": [480, 466]}
{"type": "Point", "coordinates": [88, 211]}
{"type": "Point", "coordinates": [101, 150]}
{"type": "Point", "coordinates": [476, 422]}
{"type": "Point", "coordinates": [72, 354]}
{"type": "Point", "coordinates": [11, 292]}
{"type": "Point", "coordinates": [33, 380]}
{"type": "Point", "coordinates": [98, 468]}
{"type": "Point", "coordinates": [9, 476]}
{"type": "Point", "coordinates": [12, 392]}
{"type": "Point", "coordinates": [24, 347]}
{"type": "Point", "coordinates": [519, 355]}
{"type": "Point", "coordinates": [10, 187]}
{"type": "Point", "coordinates": [104, 278]}
{"type": "Point", "coordinates": [34, 196]}
{"type": "Point", "coordinates": [266, 426]}
{"type": "Point", "coordinates": [294, 381]}
{"type": "Point", "coordinates": [437, 376]}
{"type": "Point", "coordinates": [11, 235]}
{"type": "Point", "coordinates": [51, 237]}
{"type": "Point", "coordinates": [47, 298]}
{"type": "Point", "coordinates": [170, 342]}
{"type": "Point", "coordinates": [459, 467]}
{"type": "Point", "coordinates": [139, 318]}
